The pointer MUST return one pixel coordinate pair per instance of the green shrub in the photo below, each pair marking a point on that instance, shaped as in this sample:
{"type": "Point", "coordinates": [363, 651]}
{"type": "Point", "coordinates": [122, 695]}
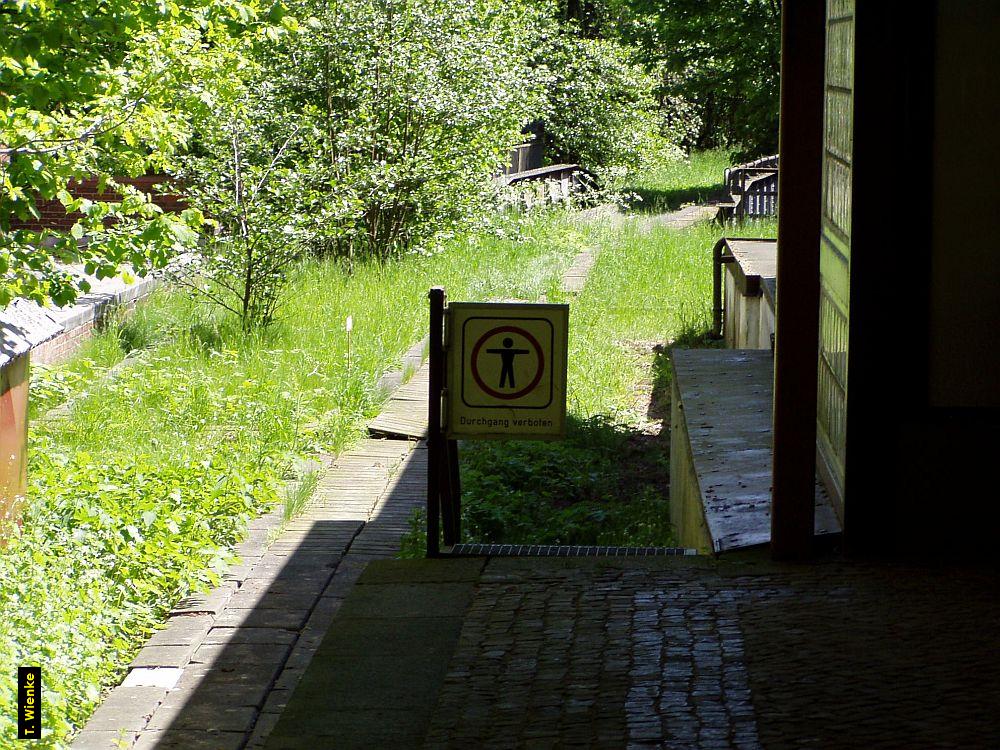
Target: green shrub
{"type": "Point", "coordinates": [107, 548]}
{"type": "Point", "coordinates": [414, 106]}
{"type": "Point", "coordinates": [600, 106]}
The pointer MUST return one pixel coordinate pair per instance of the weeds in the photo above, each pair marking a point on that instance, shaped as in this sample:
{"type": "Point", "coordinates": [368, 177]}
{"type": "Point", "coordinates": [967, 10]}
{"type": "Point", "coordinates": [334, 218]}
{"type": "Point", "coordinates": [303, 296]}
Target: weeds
{"type": "Point", "coordinates": [140, 488]}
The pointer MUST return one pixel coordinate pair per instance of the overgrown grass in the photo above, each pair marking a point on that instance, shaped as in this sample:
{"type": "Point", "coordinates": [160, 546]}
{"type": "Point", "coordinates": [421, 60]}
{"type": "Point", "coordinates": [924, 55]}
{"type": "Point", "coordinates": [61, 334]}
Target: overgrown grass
{"type": "Point", "coordinates": [139, 489]}
{"type": "Point", "coordinates": [669, 184]}
{"type": "Point", "coordinates": [649, 286]}
{"type": "Point", "coordinates": [607, 483]}
{"type": "Point", "coordinates": [297, 496]}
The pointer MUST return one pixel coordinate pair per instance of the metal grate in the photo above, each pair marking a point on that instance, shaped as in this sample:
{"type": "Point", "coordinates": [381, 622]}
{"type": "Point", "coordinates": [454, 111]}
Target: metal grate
{"type": "Point", "coordinates": [551, 550]}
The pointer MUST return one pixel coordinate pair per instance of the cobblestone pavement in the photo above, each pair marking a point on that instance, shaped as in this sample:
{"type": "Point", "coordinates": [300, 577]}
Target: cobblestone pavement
{"type": "Point", "coordinates": [666, 652]}
{"type": "Point", "coordinates": [682, 653]}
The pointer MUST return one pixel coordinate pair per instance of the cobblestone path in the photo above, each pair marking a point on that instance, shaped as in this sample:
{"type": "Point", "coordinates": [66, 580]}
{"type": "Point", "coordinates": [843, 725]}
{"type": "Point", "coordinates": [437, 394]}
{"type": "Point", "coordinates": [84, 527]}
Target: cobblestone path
{"type": "Point", "coordinates": [723, 655]}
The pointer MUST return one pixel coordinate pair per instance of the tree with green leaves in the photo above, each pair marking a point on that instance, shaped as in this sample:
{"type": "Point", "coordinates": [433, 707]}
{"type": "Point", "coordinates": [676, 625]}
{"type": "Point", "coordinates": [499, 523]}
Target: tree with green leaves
{"type": "Point", "coordinates": [600, 110]}
{"type": "Point", "coordinates": [414, 105]}
{"type": "Point", "coordinates": [726, 57]}
{"type": "Point", "coordinates": [716, 63]}
{"type": "Point", "coordinates": [99, 89]}
{"type": "Point", "coordinates": [247, 178]}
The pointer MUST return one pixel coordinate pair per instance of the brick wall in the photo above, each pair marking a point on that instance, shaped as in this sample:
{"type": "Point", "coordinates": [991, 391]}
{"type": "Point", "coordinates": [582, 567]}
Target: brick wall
{"type": "Point", "coordinates": [54, 216]}
{"type": "Point", "coordinates": [66, 344]}
{"type": "Point", "coordinates": [62, 346]}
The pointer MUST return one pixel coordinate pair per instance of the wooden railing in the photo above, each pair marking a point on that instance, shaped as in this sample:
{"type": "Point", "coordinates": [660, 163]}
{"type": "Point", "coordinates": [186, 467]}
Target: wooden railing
{"type": "Point", "coordinates": [525, 156]}
{"type": "Point", "coordinates": [754, 188]}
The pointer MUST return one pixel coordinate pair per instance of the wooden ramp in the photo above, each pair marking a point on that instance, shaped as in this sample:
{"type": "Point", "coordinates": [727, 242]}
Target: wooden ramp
{"type": "Point", "coordinates": [720, 451]}
{"type": "Point", "coordinates": [405, 413]}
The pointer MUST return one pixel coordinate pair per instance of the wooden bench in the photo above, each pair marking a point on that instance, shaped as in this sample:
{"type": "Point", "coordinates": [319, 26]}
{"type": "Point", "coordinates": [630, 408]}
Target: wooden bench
{"type": "Point", "coordinates": [720, 451]}
{"type": "Point", "coordinates": [753, 189]}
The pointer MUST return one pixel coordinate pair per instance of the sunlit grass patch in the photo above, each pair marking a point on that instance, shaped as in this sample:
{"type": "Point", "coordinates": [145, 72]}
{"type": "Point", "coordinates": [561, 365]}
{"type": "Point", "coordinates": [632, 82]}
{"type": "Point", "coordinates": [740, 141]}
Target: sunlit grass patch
{"type": "Point", "coordinates": [608, 481]}
{"type": "Point", "coordinates": [149, 474]}
{"type": "Point", "coordinates": [671, 183]}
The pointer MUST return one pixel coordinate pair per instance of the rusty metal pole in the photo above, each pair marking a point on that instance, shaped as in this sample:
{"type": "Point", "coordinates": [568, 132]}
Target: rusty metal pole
{"type": "Point", "coordinates": [803, 43]}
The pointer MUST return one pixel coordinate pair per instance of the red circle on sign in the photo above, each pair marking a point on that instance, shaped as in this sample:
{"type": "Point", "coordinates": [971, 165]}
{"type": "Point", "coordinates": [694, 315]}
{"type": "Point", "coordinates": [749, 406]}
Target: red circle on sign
{"type": "Point", "coordinates": [531, 340]}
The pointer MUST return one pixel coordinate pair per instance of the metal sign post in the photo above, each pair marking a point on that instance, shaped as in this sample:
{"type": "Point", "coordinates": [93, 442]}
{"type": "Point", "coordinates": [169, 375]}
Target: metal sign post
{"type": "Point", "coordinates": [496, 371]}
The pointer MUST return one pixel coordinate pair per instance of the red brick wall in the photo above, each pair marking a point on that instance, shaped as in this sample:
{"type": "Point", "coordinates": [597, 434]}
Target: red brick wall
{"type": "Point", "coordinates": [54, 216]}
{"type": "Point", "coordinates": [63, 345]}
{"type": "Point", "coordinates": [66, 344]}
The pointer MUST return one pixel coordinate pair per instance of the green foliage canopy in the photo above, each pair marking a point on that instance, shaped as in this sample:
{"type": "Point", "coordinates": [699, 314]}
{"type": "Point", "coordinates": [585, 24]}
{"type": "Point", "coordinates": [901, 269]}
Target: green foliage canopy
{"type": "Point", "coordinates": [716, 63]}
{"type": "Point", "coordinates": [95, 89]}
{"type": "Point", "coordinates": [600, 110]}
{"type": "Point", "coordinates": [414, 105]}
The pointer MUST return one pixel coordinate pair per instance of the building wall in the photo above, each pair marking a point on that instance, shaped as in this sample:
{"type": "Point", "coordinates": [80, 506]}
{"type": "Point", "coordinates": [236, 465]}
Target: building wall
{"type": "Point", "coordinates": [13, 441]}
{"type": "Point", "coordinates": [749, 319]}
{"type": "Point", "coordinates": [64, 345]}
{"type": "Point", "coordinates": [835, 246]}
{"type": "Point", "coordinates": [922, 418]}
{"type": "Point", "coordinates": [965, 289]}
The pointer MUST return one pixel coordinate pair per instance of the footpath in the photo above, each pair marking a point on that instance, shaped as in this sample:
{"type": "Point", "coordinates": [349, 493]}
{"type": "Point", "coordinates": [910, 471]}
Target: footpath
{"type": "Point", "coordinates": [657, 652]}
{"type": "Point", "coordinates": [220, 674]}
{"type": "Point", "coordinates": [319, 640]}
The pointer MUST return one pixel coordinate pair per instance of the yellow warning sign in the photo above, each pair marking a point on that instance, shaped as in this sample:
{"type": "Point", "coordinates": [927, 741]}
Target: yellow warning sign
{"type": "Point", "coordinates": [506, 370]}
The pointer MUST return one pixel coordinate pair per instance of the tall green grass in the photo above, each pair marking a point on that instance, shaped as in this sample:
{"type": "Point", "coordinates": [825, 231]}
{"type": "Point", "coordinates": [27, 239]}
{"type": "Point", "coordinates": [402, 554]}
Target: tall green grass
{"type": "Point", "coordinates": [648, 287]}
{"type": "Point", "coordinates": [607, 482]}
{"type": "Point", "coordinates": [139, 487]}
{"type": "Point", "coordinates": [668, 184]}
{"type": "Point", "coordinates": [651, 286]}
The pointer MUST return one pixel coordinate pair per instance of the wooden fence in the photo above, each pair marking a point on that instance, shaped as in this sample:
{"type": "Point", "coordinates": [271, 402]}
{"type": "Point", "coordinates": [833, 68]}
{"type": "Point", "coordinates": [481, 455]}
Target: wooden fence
{"type": "Point", "coordinates": [754, 188]}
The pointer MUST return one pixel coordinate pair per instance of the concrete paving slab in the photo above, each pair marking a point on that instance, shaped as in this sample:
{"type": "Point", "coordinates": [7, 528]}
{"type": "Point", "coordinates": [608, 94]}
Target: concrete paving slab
{"type": "Point", "coordinates": [103, 740]}
{"type": "Point", "coordinates": [164, 656]}
{"type": "Point", "coordinates": [203, 715]}
{"type": "Point", "coordinates": [265, 598]}
{"type": "Point", "coordinates": [289, 619]}
{"type": "Point", "coordinates": [173, 739]}
{"type": "Point", "coordinates": [161, 677]}
{"type": "Point", "coordinates": [224, 635]}
{"type": "Point", "coordinates": [241, 654]}
{"type": "Point", "coordinates": [203, 604]}
{"type": "Point", "coordinates": [182, 630]}
{"type": "Point", "coordinates": [236, 674]}
{"type": "Point", "coordinates": [400, 600]}
{"type": "Point", "coordinates": [126, 708]}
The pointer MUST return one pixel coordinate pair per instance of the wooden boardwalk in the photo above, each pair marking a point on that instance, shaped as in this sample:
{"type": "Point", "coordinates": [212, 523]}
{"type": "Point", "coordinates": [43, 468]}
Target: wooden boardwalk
{"type": "Point", "coordinates": [720, 462]}
{"type": "Point", "coordinates": [221, 672]}
{"type": "Point", "coordinates": [575, 277]}
{"type": "Point", "coordinates": [405, 413]}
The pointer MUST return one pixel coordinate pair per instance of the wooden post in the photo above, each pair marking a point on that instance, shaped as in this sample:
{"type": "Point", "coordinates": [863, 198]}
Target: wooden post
{"type": "Point", "coordinates": [435, 438]}
{"type": "Point", "coordinates": [803, 42]}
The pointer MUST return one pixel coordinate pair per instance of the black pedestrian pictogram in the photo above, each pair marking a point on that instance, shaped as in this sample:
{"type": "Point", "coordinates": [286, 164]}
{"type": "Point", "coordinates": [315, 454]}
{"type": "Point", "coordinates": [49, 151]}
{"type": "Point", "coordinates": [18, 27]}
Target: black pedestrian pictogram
{"type": "Point", "coordinates": [507, 355]}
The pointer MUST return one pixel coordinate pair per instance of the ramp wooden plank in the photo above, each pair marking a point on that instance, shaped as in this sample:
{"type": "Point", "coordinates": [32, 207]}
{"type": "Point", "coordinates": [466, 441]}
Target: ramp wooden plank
{"type": "Point", "coordinates": [405, 413]}
{"type": "Point", "coordinates": [726, 397]}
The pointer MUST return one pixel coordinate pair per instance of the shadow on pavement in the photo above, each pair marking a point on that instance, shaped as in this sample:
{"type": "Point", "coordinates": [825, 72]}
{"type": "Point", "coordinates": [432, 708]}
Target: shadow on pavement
{"type": "Point", "coordinates": [236, 677]}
